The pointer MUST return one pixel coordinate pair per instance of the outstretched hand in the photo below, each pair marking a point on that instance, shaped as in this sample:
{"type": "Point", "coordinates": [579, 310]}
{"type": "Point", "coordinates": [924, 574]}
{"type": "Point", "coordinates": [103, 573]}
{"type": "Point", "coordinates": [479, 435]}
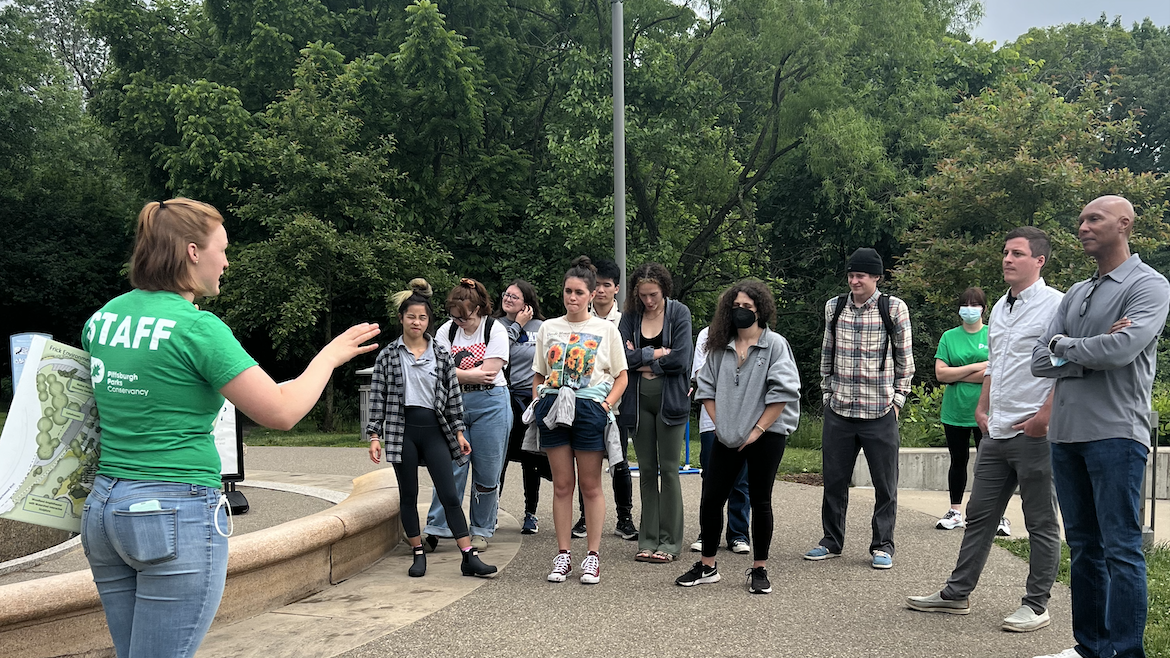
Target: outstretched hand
{"type": "Point", "coordinates": [351, 343]}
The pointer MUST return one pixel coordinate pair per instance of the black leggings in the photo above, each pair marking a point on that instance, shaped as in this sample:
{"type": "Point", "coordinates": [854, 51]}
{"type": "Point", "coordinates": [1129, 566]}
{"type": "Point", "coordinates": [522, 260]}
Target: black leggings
{"type": "Point", "coordinates": [959, 443]}
{"type": "Point", "coordinates": [763, 460]}
{"type": "Point", "coordinates": [423, 442]}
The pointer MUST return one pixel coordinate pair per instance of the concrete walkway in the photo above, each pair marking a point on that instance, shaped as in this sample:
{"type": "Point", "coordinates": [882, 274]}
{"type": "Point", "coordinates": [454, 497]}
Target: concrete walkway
{"type": "Point", "coordinates": [839, 607]}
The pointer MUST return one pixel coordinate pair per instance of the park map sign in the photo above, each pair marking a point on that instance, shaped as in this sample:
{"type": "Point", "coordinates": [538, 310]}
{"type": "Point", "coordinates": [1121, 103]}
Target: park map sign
{"type": "Point", "coordinates": [49, 445]}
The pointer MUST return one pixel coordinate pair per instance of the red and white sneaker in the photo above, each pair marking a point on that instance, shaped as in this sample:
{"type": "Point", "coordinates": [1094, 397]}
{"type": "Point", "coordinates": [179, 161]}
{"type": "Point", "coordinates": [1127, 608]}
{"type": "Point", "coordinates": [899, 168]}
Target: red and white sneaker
{"type": "Point", "coordinates": [562, 565]}
{"type": "Point", "coordinates": [591, 569]}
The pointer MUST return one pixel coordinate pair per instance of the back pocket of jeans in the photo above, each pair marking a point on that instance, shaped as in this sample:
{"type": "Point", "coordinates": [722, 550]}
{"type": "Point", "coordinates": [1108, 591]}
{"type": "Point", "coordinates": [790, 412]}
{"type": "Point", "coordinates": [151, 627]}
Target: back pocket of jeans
{"type": "Point", "coordinates": [147, 537]}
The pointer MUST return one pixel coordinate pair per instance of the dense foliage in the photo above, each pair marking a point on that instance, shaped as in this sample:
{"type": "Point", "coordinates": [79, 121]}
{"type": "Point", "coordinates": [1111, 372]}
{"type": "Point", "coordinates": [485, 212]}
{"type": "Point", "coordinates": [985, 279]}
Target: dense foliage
{"type": "Point", "coordinates": [354, 145]}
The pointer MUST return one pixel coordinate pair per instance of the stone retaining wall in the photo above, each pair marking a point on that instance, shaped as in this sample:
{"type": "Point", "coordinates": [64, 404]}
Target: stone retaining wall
{"type": "Point", "coordinates": [926, 469]}
{"type": "Point", "coordinates": [62, 616]}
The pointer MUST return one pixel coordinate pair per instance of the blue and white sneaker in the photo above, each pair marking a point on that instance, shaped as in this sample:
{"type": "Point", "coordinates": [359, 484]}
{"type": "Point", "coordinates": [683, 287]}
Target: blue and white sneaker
{"type": "Point", "coordinates": [820, 553]}
{"type": "Point", "coordinates": [530, 525]}
{"type": "Point", "coordinates": [882, 560]}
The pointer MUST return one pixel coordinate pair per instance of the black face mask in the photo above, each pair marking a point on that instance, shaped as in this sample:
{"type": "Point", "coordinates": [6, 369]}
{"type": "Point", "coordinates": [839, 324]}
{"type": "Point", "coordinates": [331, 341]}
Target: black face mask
{"type": "Point", "coordinates": [742, 318]}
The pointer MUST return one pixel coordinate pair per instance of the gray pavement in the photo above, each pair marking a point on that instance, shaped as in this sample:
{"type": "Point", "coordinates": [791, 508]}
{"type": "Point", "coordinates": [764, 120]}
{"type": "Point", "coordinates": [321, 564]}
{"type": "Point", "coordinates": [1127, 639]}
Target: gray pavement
{"type": "Point", "coordinates": [836, 608]}
{"type": "Point", "coordinates": [840, 607]}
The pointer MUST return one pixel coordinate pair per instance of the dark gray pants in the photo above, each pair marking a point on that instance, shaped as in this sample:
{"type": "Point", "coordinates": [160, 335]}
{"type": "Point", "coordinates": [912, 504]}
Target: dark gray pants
{"type": "Point", "coordinates": [841, 439]}
{"type": "Point", "coordinates": [1000, 465]}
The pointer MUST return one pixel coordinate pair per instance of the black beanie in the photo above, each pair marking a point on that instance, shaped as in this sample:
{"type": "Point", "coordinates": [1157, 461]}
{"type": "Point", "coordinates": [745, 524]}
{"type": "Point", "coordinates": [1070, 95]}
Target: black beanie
{"type": "Point", "coordinates": [866, 260]}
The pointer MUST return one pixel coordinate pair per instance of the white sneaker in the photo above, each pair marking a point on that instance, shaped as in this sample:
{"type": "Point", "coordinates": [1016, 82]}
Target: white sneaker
{"type": "Point", "coordinates": [562, 566]}
{"type": "Point", "coordinates": [591, 569]}
{"type": "Point", "coordinates": [697, 547]}
{"type": "Point", "coordinates": [1025, 619]}
{"type": "Point", "coordinates": [740, 546]}
{"type": "Point", "coordinates": [951, 520]}
{"type": "Point", "coordinates": [1067, 653]}
{"type": "Point", "coordinates": [1004, 529]}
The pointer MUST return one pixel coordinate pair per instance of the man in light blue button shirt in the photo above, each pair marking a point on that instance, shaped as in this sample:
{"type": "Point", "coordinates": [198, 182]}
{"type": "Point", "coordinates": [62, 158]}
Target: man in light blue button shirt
{"type": "Point", "coordinates": [1013, 413]}
{"type": "Point", "coordinates": [1101, 350]}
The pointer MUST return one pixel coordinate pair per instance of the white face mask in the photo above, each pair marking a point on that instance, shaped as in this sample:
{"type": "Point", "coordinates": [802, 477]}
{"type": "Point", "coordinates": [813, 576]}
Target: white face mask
{"type": "Point", "coordinates": [971, 314]}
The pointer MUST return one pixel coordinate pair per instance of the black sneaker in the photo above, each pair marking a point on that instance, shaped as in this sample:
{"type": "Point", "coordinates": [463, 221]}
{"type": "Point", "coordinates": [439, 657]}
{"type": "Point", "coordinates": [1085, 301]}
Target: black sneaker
{"type": "Point", "coordinates": [626, 530]}
{"type": "Point", "coordinates": [758, 582]}
{"type": "Point", "coordinates": [700, 574]}
{"type": "Point", "coordinates": [579, 529]}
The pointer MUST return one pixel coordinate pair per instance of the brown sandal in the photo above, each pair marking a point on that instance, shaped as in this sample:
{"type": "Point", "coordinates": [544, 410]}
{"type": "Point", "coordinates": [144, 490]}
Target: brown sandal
{"type": "Point", "coordinates": [661, 557]}
{"type": "Point", "coordinates": [644, 555]}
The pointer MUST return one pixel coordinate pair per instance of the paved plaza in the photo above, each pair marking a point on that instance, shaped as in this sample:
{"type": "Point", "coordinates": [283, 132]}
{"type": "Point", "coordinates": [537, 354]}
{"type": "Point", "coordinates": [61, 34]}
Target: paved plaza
{"type": "Point", "coordinates": [840, 607]}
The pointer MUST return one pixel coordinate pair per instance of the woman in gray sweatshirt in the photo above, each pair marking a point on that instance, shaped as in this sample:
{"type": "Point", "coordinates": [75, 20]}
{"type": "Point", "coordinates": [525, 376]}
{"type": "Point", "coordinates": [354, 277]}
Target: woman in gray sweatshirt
{"type": "Point", "coordinates": [751, 389]}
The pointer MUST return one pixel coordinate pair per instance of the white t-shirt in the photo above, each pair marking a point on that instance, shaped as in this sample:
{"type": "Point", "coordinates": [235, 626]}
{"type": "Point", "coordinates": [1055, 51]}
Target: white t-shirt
{"type": "Point", "coordinates": [469, 351]}
{"type": "Point", "coordinates": [578, 354]}
{"type": "Point", "coordinates": [705, 422]}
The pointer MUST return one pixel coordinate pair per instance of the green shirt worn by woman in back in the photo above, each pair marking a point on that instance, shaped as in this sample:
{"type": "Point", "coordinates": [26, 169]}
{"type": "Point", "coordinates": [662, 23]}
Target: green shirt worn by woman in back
{"type": "Point", "coordinates": [958, 347]}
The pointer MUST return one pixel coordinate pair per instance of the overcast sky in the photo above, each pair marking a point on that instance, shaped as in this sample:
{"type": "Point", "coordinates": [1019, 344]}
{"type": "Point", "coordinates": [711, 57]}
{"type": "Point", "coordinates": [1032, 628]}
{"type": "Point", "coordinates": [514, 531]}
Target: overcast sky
{"type": "Point", "coordinates": [1004, 20]}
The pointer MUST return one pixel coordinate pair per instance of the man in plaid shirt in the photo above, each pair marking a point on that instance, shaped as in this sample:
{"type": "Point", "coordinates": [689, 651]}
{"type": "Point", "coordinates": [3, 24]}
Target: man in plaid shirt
{"type": "Point", "coordinates": [866, 367]}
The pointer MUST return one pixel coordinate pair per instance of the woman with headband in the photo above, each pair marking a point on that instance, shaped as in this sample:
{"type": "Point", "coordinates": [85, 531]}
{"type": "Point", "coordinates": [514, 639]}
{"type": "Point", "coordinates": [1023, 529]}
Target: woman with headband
{"type": "Point", "coordinates": [479, 347]}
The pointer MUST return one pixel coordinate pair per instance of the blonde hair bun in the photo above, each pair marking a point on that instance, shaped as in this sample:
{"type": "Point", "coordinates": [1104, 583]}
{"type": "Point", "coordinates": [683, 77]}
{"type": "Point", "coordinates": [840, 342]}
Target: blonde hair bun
{"type": "Point", "coordinates": [421, 287]}
{"type": "Point", "coordinates": [417, 286]}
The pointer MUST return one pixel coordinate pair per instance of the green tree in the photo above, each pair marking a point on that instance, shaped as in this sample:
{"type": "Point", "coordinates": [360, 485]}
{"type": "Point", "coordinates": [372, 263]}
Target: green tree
{"type": "Point", "coordinates": [336, 249]}
{"type": "Point", "coordinates": [1019, 155]}
{"type": "Point", "coordinates": [67, 212]}
{"type": "Point", "coordinates": [1128, 68]}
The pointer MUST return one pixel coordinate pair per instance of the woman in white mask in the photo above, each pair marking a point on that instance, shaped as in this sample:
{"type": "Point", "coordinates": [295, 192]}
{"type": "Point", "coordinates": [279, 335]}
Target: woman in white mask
{"type": "Point", "coordinates": [960, 362]}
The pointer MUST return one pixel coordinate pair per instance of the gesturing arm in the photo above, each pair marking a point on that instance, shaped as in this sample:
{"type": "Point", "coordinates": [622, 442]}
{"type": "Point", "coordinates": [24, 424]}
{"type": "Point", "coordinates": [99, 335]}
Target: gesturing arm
{"type": "Point", "coordinates": [281, 407]}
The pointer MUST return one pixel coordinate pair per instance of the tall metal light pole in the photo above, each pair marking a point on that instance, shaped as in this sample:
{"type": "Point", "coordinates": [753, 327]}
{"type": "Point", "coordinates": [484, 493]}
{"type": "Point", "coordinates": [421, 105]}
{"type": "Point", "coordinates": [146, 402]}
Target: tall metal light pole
{"type": "Point", "coordinates": [619, 145]}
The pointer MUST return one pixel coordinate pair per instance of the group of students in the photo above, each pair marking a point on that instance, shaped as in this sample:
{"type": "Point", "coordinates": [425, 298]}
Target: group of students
{"type": "Point", "coordinates": [560, 395]}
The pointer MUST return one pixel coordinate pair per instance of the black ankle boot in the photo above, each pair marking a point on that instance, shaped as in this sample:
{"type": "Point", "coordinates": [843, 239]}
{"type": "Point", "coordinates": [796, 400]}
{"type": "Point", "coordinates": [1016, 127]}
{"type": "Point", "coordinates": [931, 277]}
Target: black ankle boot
{"type": "Point", "coordinates": [419, 568]}
{"type": "Point", "coordinates": [473, 566]}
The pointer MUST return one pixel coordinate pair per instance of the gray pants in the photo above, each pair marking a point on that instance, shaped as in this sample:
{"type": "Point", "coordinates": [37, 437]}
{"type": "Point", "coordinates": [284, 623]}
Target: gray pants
{"type": "Point", "coordinates": [841, 439]}
{"type": "Point", "coordinates": [999, 465]}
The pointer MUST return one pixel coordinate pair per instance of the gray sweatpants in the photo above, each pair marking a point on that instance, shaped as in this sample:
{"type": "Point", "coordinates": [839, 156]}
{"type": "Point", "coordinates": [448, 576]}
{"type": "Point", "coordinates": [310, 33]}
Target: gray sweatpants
{"type": "Point", "coordinates": [841, 439]}
{"type": "Point", "coordinates": [1000, 465]}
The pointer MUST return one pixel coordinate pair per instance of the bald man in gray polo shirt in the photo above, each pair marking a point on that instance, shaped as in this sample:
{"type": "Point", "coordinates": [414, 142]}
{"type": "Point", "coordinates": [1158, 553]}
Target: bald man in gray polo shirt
{"type": "Point", "coordinates": [1101, 350]}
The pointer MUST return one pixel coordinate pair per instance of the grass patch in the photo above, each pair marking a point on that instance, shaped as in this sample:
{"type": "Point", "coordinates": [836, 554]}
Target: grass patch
{"type": "Point", "coordinates": [1157, 581]}
{"type": "Point", "coordinates": [800, 460]}
{"type": "Point", "coordinates": [304, 434]}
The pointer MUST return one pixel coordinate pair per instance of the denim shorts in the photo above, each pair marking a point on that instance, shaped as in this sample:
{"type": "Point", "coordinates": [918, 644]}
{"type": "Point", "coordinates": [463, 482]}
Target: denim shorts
{"type": "Point", "coordinates": [159, 568]}
{"type": "Point", "coordinates": [587, 434]}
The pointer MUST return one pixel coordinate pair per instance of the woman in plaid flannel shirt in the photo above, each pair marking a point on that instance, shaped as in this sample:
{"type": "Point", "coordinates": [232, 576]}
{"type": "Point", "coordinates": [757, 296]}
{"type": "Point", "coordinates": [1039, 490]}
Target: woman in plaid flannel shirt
{"type": "Point", "coordinates": [416, 407]}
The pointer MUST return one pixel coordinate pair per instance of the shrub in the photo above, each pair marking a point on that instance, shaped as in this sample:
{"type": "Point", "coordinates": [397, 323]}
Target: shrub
{"type": "Point", "coordinates": [919, 423]}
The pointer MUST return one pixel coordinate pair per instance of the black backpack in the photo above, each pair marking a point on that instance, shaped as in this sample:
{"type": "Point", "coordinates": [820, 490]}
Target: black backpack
{"type": "Point", "coordinates": [883, 309]}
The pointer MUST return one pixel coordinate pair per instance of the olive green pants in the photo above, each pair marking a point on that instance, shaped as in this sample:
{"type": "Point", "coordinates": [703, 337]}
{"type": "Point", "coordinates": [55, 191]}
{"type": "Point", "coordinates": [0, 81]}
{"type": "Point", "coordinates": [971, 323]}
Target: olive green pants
{"type": "Point", "coordinates": [659, 447]}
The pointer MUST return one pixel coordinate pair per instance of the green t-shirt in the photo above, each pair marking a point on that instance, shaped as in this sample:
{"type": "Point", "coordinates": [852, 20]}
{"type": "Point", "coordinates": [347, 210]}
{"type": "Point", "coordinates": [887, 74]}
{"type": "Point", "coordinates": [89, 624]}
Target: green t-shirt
{"type": "Point", "coordinates": [158, 364]}
{"type": "Point", "coordinates": [957, 347]}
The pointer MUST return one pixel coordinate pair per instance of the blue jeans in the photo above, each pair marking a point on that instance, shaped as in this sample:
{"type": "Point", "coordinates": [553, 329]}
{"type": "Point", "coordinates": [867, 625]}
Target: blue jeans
{"type": "Point", "coordinates": [1098, 485]}
{"type": "Point", "coordinates": [170, 560]}
{"type": "Point", "coordinates": [738, 505]}
{"type": "Point", "coordinates": [488, 416]}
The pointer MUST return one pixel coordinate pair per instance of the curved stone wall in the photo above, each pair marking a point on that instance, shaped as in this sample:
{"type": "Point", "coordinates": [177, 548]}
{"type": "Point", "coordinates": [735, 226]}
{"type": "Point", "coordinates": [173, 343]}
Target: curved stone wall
{"type": "Point", "coordinates": [62, 616]}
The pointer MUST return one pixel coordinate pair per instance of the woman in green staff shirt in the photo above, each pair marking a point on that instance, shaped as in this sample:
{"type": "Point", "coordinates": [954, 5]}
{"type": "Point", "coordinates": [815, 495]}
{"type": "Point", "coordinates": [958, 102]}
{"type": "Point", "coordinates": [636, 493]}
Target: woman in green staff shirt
{"type": "Point", "coordinates": [154, 529]}
{"type": "Point", "coordinates": [959, 363]}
